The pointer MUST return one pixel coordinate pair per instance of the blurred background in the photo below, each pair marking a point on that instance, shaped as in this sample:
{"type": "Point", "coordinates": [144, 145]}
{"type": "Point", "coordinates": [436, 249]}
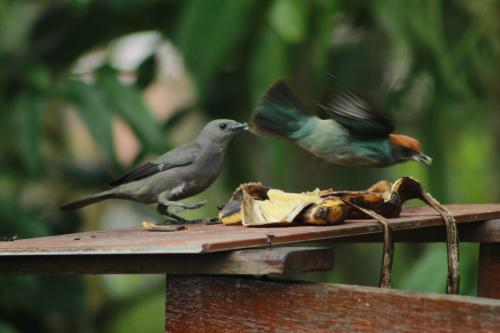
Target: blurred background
{"type": "Point", "coordinates": [89, 89]}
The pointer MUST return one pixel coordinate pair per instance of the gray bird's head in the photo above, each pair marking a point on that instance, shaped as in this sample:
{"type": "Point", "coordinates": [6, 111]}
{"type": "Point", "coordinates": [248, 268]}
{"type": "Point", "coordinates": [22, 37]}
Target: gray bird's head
{"type": "Point", "coordinates": [220, 131]}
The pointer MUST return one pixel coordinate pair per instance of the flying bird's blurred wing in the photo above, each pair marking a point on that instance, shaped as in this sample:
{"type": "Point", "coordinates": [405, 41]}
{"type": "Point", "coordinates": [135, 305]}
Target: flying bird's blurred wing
{"type": "Point", "coordinates": [359, 117]}
{"type": "Point", "coordinates": [180, 156]}
{"type": "Point", "coordinates": [279, 112]}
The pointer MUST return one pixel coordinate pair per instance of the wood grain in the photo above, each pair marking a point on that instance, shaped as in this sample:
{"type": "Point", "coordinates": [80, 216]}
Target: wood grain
{"type": "Point", "coordinates": [224, 304]}
{"type": "Point", "coordinates": [489, 271]}
{"type": "Point", "coordinates": [481, 232]}
{"type": "Point", "coordinates": [213, 238]}
{"type": "Point", "coordinates": [285, 260]}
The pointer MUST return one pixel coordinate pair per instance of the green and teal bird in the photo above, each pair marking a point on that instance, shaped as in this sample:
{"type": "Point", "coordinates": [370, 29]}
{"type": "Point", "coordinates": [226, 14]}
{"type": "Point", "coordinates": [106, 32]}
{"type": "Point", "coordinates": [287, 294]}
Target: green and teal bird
{"type": "Point", "coordinates": [355, 134]}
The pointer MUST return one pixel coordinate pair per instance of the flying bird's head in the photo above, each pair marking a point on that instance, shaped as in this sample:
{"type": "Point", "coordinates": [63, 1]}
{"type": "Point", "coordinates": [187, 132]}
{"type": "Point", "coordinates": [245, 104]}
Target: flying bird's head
{"type": "Point", "coordinates": [221, 131]}
{"type": "Point", "coordinates": [405, 148]}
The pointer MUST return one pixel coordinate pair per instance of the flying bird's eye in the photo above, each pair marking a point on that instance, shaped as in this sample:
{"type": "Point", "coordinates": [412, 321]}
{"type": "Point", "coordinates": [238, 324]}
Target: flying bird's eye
{"type": "Point", "coordinates": [408, 152]}
{"type": "Point", "coordinates": [223, 126]}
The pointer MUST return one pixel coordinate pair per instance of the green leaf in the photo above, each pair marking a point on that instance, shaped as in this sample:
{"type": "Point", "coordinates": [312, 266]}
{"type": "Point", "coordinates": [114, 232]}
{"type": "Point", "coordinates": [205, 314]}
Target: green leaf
{"type": "Point", "coordinates": [132, 319]}
{"type": "Point", "coordinates": [127, 102]}
{"type": "Point", "coordinates": [207, 31]}
{"type": "Point", "coordinates": [325, 15]}
{"type": "Point", "coordinates": [429, 272]}
{"type": "Point", "coordinates": [289, 18]}
{"type": "Point", "coordinates": [92, 108]}
{"type": "Point", "coordinates": [27, 112]}
{"type": "Point", "coordinates": [19, 221]}
{"type": "Point", "coordinates": [269, 62]}
{"type": "Point", "coordinates": [6, 328]}
{"type": "Point", "coordinates": [16, 20]}
{"type": "Point", "coordinates": [469, 257]}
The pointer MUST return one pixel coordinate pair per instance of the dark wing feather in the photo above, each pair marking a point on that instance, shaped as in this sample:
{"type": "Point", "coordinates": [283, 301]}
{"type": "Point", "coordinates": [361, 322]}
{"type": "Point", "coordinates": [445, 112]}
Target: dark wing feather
{"type": "Point", "coordinates": [181, 156]}
{"type": "Point", "coordinates": [359, 117]}
{"type": "Point", "coordinates": [279, 112]}
{"type": "Point", "coordinates": [143, 171]}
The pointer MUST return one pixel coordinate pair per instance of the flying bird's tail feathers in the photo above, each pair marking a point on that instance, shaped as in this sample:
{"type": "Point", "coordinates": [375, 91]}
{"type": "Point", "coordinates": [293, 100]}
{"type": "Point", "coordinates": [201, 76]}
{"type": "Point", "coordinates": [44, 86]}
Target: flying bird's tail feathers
{"type": "Point", "coordinates": [279, 112]}
{"type": "Point", "coordinates": [82, 202]}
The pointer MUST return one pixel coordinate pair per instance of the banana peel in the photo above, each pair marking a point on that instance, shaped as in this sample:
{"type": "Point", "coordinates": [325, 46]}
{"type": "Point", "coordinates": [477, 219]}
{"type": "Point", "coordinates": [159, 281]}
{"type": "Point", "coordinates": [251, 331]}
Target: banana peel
{"type": "Point", "coordinates": [254, 204]}
{"type": "Point", "coordinates": [327, 207]}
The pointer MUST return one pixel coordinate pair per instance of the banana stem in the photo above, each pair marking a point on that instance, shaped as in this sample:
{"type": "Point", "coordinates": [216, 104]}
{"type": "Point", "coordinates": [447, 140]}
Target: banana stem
{"type": "Point", "coordinates": [388, 254]}
{"type": "Point", "coordinates": [453, 281]}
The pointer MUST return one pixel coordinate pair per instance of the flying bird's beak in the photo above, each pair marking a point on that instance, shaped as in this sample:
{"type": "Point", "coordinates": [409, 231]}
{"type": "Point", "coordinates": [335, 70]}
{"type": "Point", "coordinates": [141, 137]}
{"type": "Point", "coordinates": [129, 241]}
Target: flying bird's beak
{"type": "Point", "coordinates": [239, 127]}
{"type": "Point", "coordinates": [421, 157]}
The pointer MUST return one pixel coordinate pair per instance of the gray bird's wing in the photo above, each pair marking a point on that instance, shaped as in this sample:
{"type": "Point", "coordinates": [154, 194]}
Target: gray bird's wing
{"type": "Point", "coordinates": [180, 156]}
{"type": "Point", "coordinates": [359, 117]}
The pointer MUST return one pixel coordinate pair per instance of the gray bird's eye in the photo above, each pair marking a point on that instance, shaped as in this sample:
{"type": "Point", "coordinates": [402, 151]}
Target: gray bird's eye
{"type": "Point", "coordinates": [223, 126]}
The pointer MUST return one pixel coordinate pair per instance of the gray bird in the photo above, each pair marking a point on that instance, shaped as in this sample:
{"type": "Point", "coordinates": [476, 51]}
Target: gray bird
{"type": "Point", "coordinates": [180, 173]}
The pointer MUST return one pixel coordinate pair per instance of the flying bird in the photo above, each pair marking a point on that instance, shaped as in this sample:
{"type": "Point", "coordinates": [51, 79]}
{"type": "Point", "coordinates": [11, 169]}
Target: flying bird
{"type": "Point", "coordinates": [355, 133]}
{"type": "Point", "coordinates": [180, 173]}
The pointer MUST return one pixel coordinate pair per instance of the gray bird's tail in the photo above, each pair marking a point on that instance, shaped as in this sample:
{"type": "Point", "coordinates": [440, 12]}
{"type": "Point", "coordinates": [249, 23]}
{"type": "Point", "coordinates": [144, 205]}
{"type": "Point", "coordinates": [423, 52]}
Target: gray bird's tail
{"type": "Point", "coordinates": [279, 112]}
{"type": "Point", "coordinates": [82, 202]}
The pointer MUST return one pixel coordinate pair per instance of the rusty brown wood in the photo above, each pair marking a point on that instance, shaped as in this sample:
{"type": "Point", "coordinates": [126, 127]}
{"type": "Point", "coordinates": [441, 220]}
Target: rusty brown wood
{"type": "Point", "coordinates": [285, 260]}
{"type": "Point", "coordinates": [489, 271]}
{"type": "Point", "coordinates": [212, 238]}
{"type": "Point", "coordinates": [224, 304]}
{"type": "Point", "coordinates": [481, 232]}
{"type": "Point", "coordinates": [486, 232]}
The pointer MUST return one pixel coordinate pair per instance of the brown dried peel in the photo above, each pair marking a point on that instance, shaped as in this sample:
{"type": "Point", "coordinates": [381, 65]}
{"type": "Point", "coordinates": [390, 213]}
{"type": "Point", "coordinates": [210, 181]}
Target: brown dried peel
{"type": "Point", "coordinates": [254, 204]}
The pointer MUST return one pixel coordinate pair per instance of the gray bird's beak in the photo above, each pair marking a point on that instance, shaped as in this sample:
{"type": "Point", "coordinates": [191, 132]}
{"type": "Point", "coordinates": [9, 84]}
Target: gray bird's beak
{"type": "Point", "coordinates": [421, 157]}
{"type": "Point", "coordinates": [239, 127]}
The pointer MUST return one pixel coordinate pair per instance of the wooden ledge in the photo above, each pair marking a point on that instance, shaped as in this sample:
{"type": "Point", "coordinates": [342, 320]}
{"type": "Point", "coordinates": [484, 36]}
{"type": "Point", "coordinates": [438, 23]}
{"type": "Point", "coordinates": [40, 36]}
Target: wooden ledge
{"type": "Point", "coordinates": [285, 260]}
{"type": "Point", "coordinates": [480, 232]}
{"type": "Point", "coordinates": [214, 238]}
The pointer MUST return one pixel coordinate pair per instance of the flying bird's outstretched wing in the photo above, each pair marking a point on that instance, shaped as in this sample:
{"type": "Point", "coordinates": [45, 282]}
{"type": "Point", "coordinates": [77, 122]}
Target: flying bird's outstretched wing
{"type": "Point", "coordinates": [180, 156]}
{"type": "Point", "coordinates": [359, 117]}
{"type": "Point", "coordinates": [279, 112]}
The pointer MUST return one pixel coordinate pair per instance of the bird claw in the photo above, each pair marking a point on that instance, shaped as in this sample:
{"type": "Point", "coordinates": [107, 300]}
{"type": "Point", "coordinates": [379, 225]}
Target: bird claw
{"type": "Point", "coordinates": [184, 206]}
{"type": "Point", "coordinates": [175, 222]}
{"type": "Point", "coordinates": [196, 205]}
{"type": "Point", "coordinates": [182, 221]}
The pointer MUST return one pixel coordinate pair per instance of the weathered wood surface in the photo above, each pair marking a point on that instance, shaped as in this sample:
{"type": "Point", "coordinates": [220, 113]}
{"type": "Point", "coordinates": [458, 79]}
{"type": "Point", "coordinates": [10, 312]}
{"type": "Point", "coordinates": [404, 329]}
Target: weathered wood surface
{"type": "Point", "coordinates": [212, 238]}
{"type": "Point", "coordinates": [489, 271]}
{"type": "Point", "coordinates": [285, 260]}
{"type": "Point", "coordinates": [224, 304]}
{"type": "Point", "coordinates": [486, 232]}
{"type": "Point", "coordinates": [481, 232]}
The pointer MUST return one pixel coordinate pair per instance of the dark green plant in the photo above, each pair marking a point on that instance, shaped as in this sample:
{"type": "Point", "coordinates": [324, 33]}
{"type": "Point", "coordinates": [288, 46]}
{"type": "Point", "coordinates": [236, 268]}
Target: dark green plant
{"type": "Point", "coordinates": [431, 64]}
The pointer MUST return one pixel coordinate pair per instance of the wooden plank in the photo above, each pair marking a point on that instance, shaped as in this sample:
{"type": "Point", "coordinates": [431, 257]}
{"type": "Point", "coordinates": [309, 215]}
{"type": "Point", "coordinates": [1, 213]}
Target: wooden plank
{"type": "Point", "coordinates": [224, 304]}
{"type": "Point", "coordinates": [489, 271]}
{"type": "Point", "coordinates": [481, 232]}
{"type": "Point", "coordinates": [285, 260]}
{"type": "Point", "coordinates": [212, 238]}
{"type": "Point", "coordinates": [485, 232]}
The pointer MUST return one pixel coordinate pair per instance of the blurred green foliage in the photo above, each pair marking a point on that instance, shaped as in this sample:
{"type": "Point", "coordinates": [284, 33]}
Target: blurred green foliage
{"type": "Point", "coordinates": [433, 65]}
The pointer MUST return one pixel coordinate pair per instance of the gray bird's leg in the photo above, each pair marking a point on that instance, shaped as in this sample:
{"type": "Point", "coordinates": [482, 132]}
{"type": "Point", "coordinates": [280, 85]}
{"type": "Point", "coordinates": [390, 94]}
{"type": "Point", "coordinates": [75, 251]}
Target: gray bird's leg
{"type": "Point", "coordinates": [164, 203]}
{"type": "Point", "coordinates": [171, 217]}
{"type": "Point", "coordinates": [183, 206]}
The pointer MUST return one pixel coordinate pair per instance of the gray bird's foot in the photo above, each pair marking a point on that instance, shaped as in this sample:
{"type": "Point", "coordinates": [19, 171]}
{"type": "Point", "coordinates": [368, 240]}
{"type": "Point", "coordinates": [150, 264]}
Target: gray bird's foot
{"type": "Point", "coordinates": [184, 206]}
{"type": "Point", "coordinates": [174, 219]}
{"type": "Point", "coordinates": [213, 220]}
{"type": "Point", "coordinates": [181, 221]}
